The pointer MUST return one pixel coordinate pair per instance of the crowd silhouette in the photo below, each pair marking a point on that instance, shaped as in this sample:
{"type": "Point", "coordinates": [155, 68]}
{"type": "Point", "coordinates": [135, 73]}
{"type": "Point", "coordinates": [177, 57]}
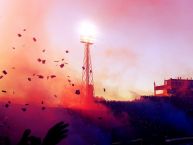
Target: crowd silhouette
{"type": "Point", "coordinates": [53, 137]}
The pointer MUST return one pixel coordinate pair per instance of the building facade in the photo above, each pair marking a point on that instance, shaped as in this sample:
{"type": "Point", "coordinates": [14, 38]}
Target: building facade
{"type": "Point", "coordinates": [173, 87]}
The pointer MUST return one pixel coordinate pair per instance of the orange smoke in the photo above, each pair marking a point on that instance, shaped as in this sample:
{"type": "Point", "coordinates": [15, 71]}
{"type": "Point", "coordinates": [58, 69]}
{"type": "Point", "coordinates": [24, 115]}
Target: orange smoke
{"type": "Point", "coordinates": [29, 60]}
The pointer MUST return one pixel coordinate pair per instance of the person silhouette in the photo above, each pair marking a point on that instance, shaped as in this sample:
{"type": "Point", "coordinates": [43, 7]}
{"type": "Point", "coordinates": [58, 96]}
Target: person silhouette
{"type": "Point", "coordinates": [54, 135]}
{"type": "Point", "coordinates": [26, 139]}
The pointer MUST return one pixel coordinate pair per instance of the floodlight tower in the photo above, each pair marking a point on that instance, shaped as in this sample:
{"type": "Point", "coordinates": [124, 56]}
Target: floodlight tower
{"type": "Point", "coordinates": [88, 32]}
{"type": "Point", "coordinates": [87, 72]}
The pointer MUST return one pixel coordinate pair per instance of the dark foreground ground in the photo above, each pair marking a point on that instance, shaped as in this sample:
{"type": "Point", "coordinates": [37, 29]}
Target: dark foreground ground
{"type": "Point", "coordinates": [153, 120]}
{"type": "Point", "coordinates": [145, 121]}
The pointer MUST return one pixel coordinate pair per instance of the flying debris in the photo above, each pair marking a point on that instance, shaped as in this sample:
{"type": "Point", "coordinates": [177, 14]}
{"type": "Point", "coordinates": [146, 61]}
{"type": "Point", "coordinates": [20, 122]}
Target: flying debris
{"type": "Point", "coordinates": [24, 29]}
{"type": "Point", "coordinates": [34, 39]}
{"type": "Point", "coordinates": [1, 77]}
{"type": "Point", "coordinates": [6, 105]}
{"type": "Point", "coordinates": [56, 61]}
{"type": "Point", "coordinates": [40, 76]}
{"type": "Point", "coordinates": [77, 92]}
{"type": "Point", "coordinates": [29, 79]}
{"type": "Point", "coordinates": [4, 72]}
{"type": "Point", "coordinates": [62, 59]}
{"type": "Point", "coordinates": [23, 109]}
{"type": "Point", "coordinates": [62, 65]}
{"type": "Point", "coordinates": [55, 96]}
{"type": "Point", "coordinates": [43, 50]}
{"type": "Point", "coordinates": [43, 61]}
{"type": "Point", "coordinates": [83, 68]}
{"type": "Point", "coordinates": [104, 89]}
{"type": "Point", "coordinates": [39, 60]}
{"type": "Point", "coordinates": [13, 47]}
{"type": "Point", "coordinates": [52, 76]}
{"type": "Point", "coordinates": [4, 91]}
{"type": "Point", "coordinates": [73, 85]}
{"type": "Point", "coordinates": [43, 108]}
{"type": "Point", "coordinates": [67, 51]}
{"type": "Point", "coordinates": [42, 102]}
{"type": "Point", "coordinates": [19, 35]}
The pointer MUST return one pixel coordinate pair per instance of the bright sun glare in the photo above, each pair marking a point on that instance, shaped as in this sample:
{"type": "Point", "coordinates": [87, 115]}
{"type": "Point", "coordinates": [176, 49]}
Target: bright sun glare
{"type": "Point", "coordinates": [87, 31]}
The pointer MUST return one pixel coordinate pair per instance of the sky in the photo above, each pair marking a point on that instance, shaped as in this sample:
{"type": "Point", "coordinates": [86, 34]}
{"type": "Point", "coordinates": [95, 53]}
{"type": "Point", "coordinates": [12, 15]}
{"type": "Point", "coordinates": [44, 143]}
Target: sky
{"type": "Point", "coordinates": [138, 41]}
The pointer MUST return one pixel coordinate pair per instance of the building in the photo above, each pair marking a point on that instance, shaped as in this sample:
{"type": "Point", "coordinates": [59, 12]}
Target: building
{"type": "Point", "coordinates": [173, 87]}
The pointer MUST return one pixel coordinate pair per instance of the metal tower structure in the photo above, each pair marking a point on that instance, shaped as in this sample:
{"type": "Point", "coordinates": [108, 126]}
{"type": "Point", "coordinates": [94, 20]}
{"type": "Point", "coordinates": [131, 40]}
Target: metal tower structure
{"type": "Point", "coordinates": [87, 72]}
